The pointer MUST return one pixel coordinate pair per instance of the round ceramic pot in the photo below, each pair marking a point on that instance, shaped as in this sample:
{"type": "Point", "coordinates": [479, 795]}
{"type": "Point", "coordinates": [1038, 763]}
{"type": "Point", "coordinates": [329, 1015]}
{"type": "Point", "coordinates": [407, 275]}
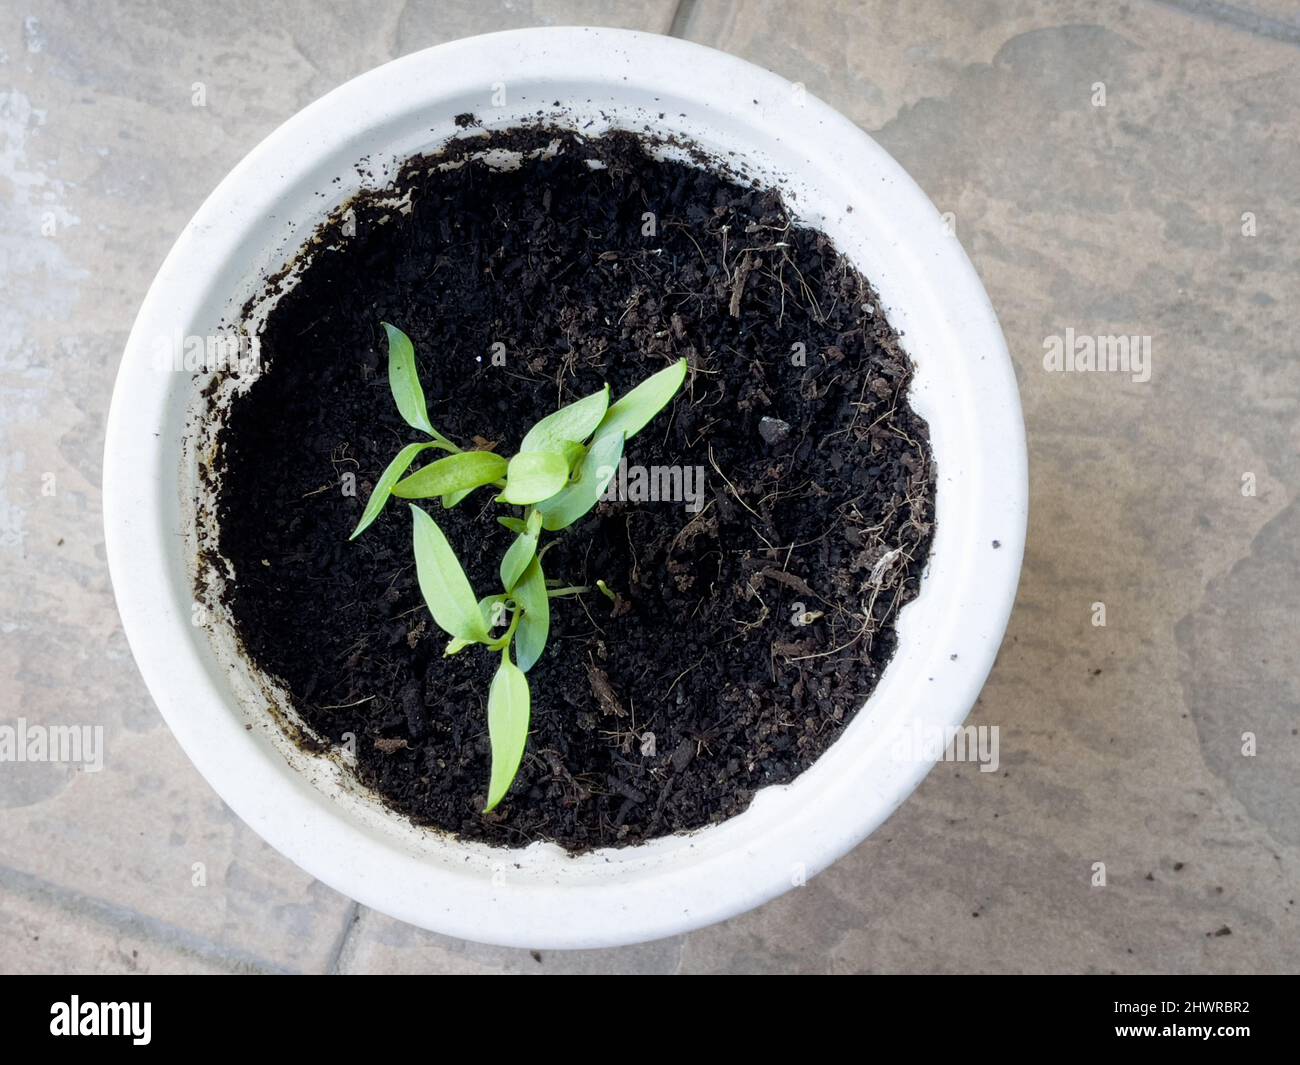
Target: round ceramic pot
{"type": "Point", "coordinates": [832, 176]}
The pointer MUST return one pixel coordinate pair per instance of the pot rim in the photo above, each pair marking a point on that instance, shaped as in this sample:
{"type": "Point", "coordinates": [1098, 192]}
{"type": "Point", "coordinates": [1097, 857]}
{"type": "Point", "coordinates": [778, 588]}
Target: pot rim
{"type": "Point", "coordinates": [672, 884]}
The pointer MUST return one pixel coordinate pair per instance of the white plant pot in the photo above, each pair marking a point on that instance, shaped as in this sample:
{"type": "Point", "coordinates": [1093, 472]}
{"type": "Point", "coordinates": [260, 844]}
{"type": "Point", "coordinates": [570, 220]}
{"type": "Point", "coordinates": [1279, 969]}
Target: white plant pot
{"type": "Point", "coordinates": [541, 897]}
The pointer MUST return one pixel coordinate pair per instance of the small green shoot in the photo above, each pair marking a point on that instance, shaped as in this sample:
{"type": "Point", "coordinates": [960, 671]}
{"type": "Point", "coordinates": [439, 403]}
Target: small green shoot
{"type": "Point", "coordinates": [591, 478]}
{"type": "Point", "coordinates": [535, 626]}
{"type": "Point", "coordinates": [455, 473]}
{"type": "Point", "coordinates": [568, 425]}
{"type": "Point", "coordinates": [384, 486]}
{"type": "Point", "coordinates": [633, 412]}
{"type": "Point", "coordinates": [521, 552]}
{"type": "Point", "coordinates": [404, 380]}
{"type": "Point", "coordinates": [404, 383]}
{"type": "Point", "coordinates": [443, 583]}
{"type": "Point", "coordinates": [533, 476]}
{"type": "Point", "coordinates": [563, 466]}
{"type": "Point", "coordinates": [508, 712]}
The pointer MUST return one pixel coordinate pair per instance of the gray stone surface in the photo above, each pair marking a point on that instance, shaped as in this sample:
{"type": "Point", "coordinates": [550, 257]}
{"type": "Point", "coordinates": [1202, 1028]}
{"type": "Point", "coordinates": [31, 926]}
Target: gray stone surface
{"type": "Point", "coordinates": [1120, 744]}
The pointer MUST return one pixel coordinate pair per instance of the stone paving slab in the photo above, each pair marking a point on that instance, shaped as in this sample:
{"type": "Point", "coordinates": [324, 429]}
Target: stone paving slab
{"type": "Point", "coordinates": [1166, 211]}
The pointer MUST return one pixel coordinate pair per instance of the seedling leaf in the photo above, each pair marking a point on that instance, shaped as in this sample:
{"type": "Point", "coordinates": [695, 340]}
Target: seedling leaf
{"type": "Point", "coordinates": [521, 552]}
{"type": "Point", "coordinates": [573, 453]}
{"type": "Point", "coordinates": [533, 476]}
{"type": "Point", "coordinates": [634, 410]}
{"type": "Point", "coordinates": [404, 380]}
{"type": "Point", "coordinates": [384, 486]}
{"type": "Point", "coordinates": [443, 583]}
{"type": "Point", "coordinates": [594, 473]}
{"type": "Point", "coordinates": [535, 624]}
{"type": "Point", "coordinates": [508, 712]}
{"type": "Point", "coordinates": [568, 425]}
{"type": "Point", "coordinates": [465, 471]}
{"type": "Point", "coordinates": [487, 606]}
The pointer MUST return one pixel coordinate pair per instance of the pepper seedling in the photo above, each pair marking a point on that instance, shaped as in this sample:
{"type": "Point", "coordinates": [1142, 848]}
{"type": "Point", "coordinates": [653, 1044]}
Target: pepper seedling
{"type": "Point", "coordinates": [564, 464]}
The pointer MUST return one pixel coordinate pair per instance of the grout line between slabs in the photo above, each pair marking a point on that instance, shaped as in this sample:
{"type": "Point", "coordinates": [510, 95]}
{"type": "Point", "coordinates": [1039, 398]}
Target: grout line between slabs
{"type": "Point", "coordinates": [123, 919]}
{"type": "Point", "coordinates": [351, 919]}
{"type": "Point", "coordinates": [682, 15]}
{"type": "Point", "coordinates": [1238, 19]}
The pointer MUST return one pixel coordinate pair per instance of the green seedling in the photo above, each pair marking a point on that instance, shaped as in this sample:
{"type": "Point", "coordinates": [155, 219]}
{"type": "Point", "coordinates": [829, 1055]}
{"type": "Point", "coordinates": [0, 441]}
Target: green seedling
{"type": "Point", "coordinates": [564, 465]}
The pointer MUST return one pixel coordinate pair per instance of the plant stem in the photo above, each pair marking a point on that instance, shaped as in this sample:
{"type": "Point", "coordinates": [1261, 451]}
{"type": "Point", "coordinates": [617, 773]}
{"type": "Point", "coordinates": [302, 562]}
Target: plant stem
{"type": "Point", "coordinates": [504, 642]}
{"type": "Point", "coordinates": [555, 593]}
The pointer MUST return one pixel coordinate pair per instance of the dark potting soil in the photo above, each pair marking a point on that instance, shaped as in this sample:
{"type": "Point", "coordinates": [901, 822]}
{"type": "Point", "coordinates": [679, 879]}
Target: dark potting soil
{"type": "Point", "coordinates": [745, 634]}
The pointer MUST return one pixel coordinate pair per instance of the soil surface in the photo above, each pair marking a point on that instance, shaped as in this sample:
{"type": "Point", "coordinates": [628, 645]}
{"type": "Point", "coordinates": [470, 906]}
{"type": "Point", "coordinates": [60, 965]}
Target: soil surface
{"type": "Point", "coordinates": [745, 635]}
